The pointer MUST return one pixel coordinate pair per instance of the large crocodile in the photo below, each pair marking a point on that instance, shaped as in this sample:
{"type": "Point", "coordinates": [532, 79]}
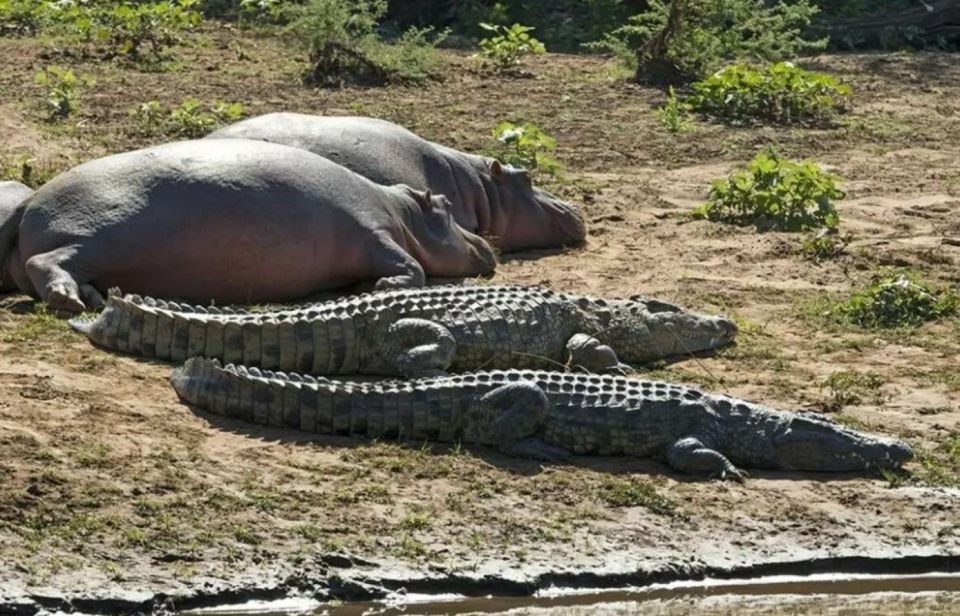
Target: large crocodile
{"type": "Point", "coordinates": [544, 415]}
{"type": "Point", "coordinates": [414, 332]}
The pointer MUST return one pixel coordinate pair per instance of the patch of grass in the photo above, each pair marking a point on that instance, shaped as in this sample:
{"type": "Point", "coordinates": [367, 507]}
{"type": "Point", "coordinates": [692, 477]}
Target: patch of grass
{"type": "Point", "coordinates": [848, 387]}
{"type": "Point", "coordinates": [26, 170]}
{"type": "Point", "coordinates": [417, 518]}
{"type": "Point", "coordinates": [410, 548]}
{"type": "Point", "coordinates": [941, 467]}
{"type": "Point", "coordinates": [895, 299]}
{"type": "Point", "coordinates": [823, 247]}
{"type": "Point", "coordinates": [948, 376]}
{"type": "Point", "coordinates": [244, 534]}
{"type": "Point", "coordinates": [371, 492]}
{"type": "Point", "coordinates": [310, 532]}
{"type": "Point", "coordinates": [96, 455]}
{"type": "Point", "coordinates": [775, 193]}
{"type": "Point", "coordinates": [633, 492]}
{"type": "Point", "coordinates": [40, 325]}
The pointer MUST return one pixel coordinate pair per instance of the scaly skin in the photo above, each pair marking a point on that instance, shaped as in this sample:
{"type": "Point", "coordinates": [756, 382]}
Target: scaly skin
{"type": "Point", "coordinates": [544, 415]}
{"type": "Point", "coordinates": [414, 332]}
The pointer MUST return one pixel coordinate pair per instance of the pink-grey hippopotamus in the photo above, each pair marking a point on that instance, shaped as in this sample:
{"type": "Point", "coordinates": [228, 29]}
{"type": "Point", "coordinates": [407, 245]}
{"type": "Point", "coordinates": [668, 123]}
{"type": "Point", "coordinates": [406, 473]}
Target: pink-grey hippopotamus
{"type": "Point", "coordinates": [229, 221]}
{"type": "Point", "coordinates": [490, 199]}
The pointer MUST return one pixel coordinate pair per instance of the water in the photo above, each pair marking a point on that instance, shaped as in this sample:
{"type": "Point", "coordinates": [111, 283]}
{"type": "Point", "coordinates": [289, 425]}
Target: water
{"type": "Point", "coordinates": [932, 593]}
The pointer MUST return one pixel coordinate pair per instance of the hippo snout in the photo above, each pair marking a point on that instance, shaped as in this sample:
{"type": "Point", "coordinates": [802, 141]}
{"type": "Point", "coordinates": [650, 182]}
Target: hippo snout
{"type": "Point", "coordinates": [482, 252]}
{"type": "Point", "coordinates": [567, 218]}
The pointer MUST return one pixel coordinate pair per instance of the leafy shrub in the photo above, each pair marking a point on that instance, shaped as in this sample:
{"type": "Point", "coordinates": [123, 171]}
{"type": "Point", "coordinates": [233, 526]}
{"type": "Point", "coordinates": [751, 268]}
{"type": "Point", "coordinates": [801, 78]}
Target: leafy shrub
{"type": "Point", "coordinates": [775, 193]}
{"type": "Point", "coordinates": [144, 31]}
{"type": "Point", "coordinates": [343, 47]}
{"type": "Point", "coordinates": [781, 93]}
{"type": "Point", "coordinates": [525, 146]}
{"type": "Point", "coordinates": [896, 299]}
{"type": "Point", "coordinates": [190, 119]}
{"type": "Point", "coordinates": [22, 17]}
{"type": "Point", "coordinates": [684, 39]}
{"type": "Point", "coordinates": [674, 115]}
{"type": "Point", "coordinates": [63, 89]}
{"type": "Point", "coordinates": [505, 49]}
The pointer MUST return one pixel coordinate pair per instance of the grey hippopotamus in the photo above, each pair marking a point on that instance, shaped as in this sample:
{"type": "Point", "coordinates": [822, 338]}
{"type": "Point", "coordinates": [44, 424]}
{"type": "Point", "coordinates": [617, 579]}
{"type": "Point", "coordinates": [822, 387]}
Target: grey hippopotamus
{"type": "Point", "coordinates": [231, 221]}
{"type": "Point", "coordinates": [12, 198]}
{"type": "Point", "coordinates": [492, 200]}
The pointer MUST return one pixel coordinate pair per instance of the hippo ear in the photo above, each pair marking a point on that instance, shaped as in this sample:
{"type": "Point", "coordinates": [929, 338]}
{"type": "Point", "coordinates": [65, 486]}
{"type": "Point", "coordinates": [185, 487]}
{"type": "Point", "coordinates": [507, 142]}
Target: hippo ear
{"type": "Point", "coordinates": [424, 199]}
{"type": "Point", "coordinates": [496, 170]}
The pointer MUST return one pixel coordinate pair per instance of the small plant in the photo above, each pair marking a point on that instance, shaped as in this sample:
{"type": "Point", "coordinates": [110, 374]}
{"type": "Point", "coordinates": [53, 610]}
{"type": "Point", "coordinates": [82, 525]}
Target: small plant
{"type": "Point", "coordinates": [617, 492]}
{"type": "Point", "coordinates": [896, 299]}
{"type": "Point", "coordinates": [22, 17]}
{"type": "Point", "coordinates": [673, 115]}
{"type": "Point", "coordinates": [26, 170]}
{"type": "Point", "coordinates": [823, 246]}
{"type": "Point", "coordinates": [775, 193]}
{"type": "Point", "coordinates": [506, 47]}
{"type": "Point", "coordinates": [63, 89]}
{"type": "Point", "coordinates": [192, 118]}
{"type": "Point", "coordinates": [526, 146]}
{"type": "Point", "coordinates": [850, 387]}
{"type": "Point", "coordinates": [781, 93]}
{"type": "Point", "coordinates": [676, 40]}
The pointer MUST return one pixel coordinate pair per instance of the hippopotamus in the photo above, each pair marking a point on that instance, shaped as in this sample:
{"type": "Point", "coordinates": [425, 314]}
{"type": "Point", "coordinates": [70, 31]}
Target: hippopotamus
{"type": "Point", "coordinates": [490, 199]}
{"type": "Point", "coordinates": [233, 221]}
{"type": "Point", "coordinates": [12, 197]}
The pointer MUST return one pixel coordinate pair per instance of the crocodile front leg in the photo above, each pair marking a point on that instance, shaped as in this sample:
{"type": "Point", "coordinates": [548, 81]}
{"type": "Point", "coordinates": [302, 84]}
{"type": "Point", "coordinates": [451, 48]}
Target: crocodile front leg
{"type": "Point", "coordinates": [420, 348]}
{"type": "Point", "coordinates": [690, 455]}
{"type": "Point", "coordinates": [513, 414]}
{"type": "Point", "coordinates": [589, 353]}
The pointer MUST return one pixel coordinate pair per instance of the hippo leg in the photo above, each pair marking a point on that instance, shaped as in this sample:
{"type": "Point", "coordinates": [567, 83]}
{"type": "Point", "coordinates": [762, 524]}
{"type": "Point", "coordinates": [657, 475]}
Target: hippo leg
{"type": "Point", "coordinates": [397, 268]}
{"type": "Point", "coordinates": [57, 286]}
{"type": "Point", "coordinates": [587, 352]}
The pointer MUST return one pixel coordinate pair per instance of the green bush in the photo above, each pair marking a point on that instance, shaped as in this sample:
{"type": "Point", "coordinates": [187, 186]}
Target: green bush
{"type": "Point", "coordinates": [896, 299]}
{"type": "Point", "coordinates": [823, 246]}
{"type": "Point", "coordinates": [781, 93]}
{"type": "Point", "coordinates": [22, 17]}
{"type": "Point", "coordinates": [775, 193]}
{"type": "Point", "coordinates": [505, 49]}
{"type": "Point", "coordinates": [343, 47]}
{"type": "Point", "coordinates": [191, 119]}
{"type": "Point", "coordinates": [63, 89]}
{"type": "Point", "coordinates": [685, 39]}
{"type": "Point", "coordinates": [525, 146]}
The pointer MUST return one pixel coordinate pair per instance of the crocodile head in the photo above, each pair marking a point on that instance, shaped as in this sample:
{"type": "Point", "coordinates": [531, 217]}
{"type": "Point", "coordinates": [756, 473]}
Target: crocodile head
{"type": "Point", "coordinates": [642, 329]}
{"type": "Point", "coordinates": [803, 441]}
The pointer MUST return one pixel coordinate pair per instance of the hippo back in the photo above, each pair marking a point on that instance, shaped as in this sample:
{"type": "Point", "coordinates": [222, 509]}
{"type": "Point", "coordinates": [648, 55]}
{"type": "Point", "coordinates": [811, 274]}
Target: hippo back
{"type": "Point", "coordinates": [376, 149]}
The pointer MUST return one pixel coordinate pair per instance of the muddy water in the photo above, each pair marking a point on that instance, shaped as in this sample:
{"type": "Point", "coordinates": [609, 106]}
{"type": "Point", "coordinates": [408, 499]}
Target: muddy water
{"type": "Point", "coordinates": [825, 594]}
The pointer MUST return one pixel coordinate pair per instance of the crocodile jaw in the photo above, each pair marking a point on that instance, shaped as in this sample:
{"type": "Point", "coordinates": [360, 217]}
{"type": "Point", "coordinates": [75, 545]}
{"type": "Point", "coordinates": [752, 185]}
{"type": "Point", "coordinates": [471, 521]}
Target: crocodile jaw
{"type": "Point", "coordinates": [812, 444]}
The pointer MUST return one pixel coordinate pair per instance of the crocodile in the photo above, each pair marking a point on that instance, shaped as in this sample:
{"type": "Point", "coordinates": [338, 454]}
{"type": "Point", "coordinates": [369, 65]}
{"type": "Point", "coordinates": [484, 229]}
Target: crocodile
{"type": "Point", "coordinates": [544, 415]}
{"type": "Point", "coordinates": [414, 332]}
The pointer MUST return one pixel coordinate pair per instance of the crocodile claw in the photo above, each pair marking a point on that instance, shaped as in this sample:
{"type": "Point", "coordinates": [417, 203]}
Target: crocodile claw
{"type": "Point", "coordinates": [732, 473]}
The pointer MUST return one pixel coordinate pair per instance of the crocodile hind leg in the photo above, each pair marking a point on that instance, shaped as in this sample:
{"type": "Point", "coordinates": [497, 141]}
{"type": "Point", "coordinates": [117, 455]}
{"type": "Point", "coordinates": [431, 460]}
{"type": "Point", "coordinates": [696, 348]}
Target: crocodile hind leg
{"type": "Point", "coordinates": [587, 352]}
{"type": "Point", "coordinates": [515, 413]}
{"type": "Point", "coordinates": [420, 348]}
{"type": "Point", "coordinates": [57, 286]}
{"type": "Point", "coordinates": [690, 455]}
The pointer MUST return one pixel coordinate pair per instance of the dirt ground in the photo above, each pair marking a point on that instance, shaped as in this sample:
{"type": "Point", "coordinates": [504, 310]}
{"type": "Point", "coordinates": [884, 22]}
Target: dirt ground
{"type": "Point", "coordinates": [108, 483]}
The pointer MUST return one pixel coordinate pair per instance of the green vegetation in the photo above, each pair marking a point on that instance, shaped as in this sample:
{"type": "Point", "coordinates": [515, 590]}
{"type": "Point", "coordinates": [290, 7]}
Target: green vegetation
{"type": "Point", "coordinates": [633, 492]}
{"type": "Point", "coordinates": [343, 46]}
{"type": "Point", "coordinates": [525, 146]}
{"type": "Point", "coordinates": [896, 299]}
{"type": "Point", "coordinates": [775, 193]}
{"type": "Point", "coordinates": [823, 246]}
{"type": "Point", "coordinates": [505, 48]}
{"type": "Point", "coordinates": [63, 89]}
{"type": "Point", "coordinates": [781, 93]}
{"type": "Point", "coordinates": [26, 170]}
{"type": "Point", "coordinates": [942, 466]}
{"type": "Point", "coordinates": [681, 39]}
{"type": "Point", "coordinates": [191, 119]}
{"type": "Point", "coordinates": [848, 387]}
{"type": "Point", "coordinates": [674, 115]}
{"type": "Point", "coordinates": [41, 324]}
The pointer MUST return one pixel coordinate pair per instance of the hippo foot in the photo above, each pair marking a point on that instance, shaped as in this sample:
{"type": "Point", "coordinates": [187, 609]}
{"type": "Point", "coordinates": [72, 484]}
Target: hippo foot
{"type": "Point", "coordinates": [61, 297]}
{"type": "Point", "coordinates": [397, 282]}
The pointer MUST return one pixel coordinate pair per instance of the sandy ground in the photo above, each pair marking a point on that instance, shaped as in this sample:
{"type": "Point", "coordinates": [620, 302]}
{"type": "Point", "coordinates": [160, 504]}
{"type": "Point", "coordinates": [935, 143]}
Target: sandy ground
{"type": "Point", "coordinates": [108, 483]}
